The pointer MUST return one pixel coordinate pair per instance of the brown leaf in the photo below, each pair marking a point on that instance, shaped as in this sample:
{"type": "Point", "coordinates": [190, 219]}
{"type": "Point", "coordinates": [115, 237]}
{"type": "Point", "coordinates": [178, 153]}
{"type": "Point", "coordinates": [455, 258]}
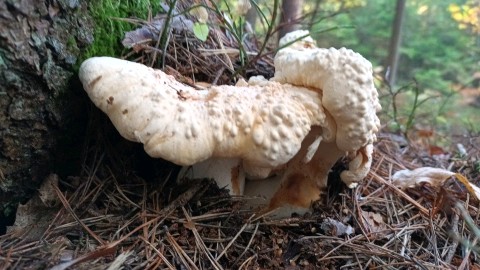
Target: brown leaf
{"type": "Point", "coordinates": [374, 221]}
{"type": "Point", "coordinates": [138, 36]}
{"type": "Point", "coordinates": [34, 217]}
{"type": "Point", "coordinates": [434, 176]}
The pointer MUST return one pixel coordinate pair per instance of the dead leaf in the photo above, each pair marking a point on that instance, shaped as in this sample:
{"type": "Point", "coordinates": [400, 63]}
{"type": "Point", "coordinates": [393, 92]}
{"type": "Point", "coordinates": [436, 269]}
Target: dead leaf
{"type": "Point", "coordinates": [138, 36]}
{"type": "Point", "coordinates": [336, 228]}
{"type": "Point", "coordinates": [34, 217]}
{"type": "Point", "coordinates": [436, 150]}
{"type": "Point", "coordinates": [374, 221]}
{"type": "Point", "coordinates": [434, 176]}
{"type": "Point", "coordinates": [47, 193]}
{"type": "Point", "coordinates": [151, 31]}
{"type": "Point", "coordinates": [200, 13]}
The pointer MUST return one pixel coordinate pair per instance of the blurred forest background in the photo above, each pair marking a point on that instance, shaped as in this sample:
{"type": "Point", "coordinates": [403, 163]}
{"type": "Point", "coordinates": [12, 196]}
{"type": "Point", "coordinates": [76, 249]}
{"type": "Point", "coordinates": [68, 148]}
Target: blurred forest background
{"type": "Point", "coordinates": [438, 70]}
{"type": "Point", "coordinates": [430, 84]}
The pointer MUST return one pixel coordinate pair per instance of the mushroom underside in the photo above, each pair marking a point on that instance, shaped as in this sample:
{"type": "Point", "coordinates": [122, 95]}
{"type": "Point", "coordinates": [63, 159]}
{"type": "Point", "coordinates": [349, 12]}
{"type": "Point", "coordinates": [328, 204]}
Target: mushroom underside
{"type": "Point", "coordinates": [290, 188]}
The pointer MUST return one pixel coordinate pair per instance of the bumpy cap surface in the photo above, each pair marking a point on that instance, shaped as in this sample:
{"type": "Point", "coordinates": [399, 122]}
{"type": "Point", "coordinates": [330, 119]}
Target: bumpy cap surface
{"type": "Point", "coordinates": [345, 81]}
{"type": "Point", "coordinates": [297, 40]}
{"type": "Point", "coordinates": [262, 124]}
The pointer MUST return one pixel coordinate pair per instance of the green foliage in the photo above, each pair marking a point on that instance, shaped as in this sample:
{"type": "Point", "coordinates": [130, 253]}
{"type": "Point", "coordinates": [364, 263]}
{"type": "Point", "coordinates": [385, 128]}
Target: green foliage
{"type": "Point", "coordinates": [368, 36]}
{"type": "Point", "coordinates": [234, 23]}
{"type": "Point", "coordinates": [201, 31]}
{"type": "Point", "coordinates": [443, 53]}
{"type": "Point", "coordinates": [435, 53]}
{"type": "Point", "coordinates": [434, 50]}
{"type": "Point", "coordinates": [110, 29]}
{"type": "Point", "coordinates": [398, 118]}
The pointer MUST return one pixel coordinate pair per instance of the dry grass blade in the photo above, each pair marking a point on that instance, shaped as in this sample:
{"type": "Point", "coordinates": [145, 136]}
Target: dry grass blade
{"type": "Point", "coordinates": [231, 242]}
{"type": "Point", "coordinates": [248, 245]}
{"type": "Point", "coordinates": [160, 254]}
{"type": "Point", "coordinates": [181, 254]}
{"type": "Point", "coordinates": [199, 242]}
{"type": "Point", "coordinates": [401, 193]}
{"type": "Point", "coordinates": [119, 261]}
{"type": "Point", "coordinates": [106, 251]}
{"type": "Point", "coordinates": [184, 198]}
{"type": "Point", "coordinates": [71, 212]}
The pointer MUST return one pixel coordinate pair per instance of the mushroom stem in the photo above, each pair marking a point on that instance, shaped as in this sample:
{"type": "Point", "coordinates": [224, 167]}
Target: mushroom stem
{"type": "Point", "coordinates": [358, 167]}
{"type": "Point", "coordinates": [300, 184]}
{"type": "Point", "coordinates": [227, 173]}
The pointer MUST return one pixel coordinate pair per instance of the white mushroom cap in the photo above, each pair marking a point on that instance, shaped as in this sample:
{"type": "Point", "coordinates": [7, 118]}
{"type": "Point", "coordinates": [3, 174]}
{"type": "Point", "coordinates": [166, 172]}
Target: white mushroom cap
{"type": "Point", "coordinates": [263, 125]}
{"type": "Point", "coordinates": [358, 167]}
{"type": "Point", "coordinates": [297, 40]}
{"type": "Point", "coordinates": [344, 79]}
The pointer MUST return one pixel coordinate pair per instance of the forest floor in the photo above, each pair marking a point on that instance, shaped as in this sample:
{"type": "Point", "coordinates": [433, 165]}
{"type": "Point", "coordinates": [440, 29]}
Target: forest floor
{"type": "Point", "coordinates": [117, 216]}
{"type": "Point", "coordinates": [99, 220]}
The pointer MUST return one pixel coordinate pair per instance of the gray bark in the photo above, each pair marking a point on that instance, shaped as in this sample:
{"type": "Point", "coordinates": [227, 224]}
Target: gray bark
{"type": "Point", "coordinates": [40, 43]}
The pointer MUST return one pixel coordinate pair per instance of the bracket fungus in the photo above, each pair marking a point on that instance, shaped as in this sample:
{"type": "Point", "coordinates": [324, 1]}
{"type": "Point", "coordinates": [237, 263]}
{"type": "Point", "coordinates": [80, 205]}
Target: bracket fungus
{"type": "Point", "coordinates": [319, 107]}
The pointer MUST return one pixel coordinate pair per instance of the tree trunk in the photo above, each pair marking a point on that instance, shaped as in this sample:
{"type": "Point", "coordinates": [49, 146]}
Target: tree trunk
{"type": "Point", "coordinates": [291, 12]}
{"type": "Point", "coordinates": [313, 17]}
{"type": "Point", "coordinates": [395, 41]}
{"type": "Point", "coordinates": [251, 18]}
{"type": "Point", "coordinates": [40, 105]}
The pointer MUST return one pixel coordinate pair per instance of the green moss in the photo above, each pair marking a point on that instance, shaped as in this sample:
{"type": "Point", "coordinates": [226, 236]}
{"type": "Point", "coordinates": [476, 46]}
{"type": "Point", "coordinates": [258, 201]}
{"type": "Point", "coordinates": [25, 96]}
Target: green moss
{"type": "Point", "coordinates": [71, 42]}
{"type": "Point", "coordinates": [109, 29]}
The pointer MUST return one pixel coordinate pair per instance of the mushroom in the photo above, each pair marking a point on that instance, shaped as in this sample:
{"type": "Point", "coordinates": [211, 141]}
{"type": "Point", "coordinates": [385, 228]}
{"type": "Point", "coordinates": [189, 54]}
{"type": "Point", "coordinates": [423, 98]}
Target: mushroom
{"type": "Point", "coordinates": [262, 124]}
{"type": "Point", "coordinates": [344, 80]}
{"type": "Point", "coordinates": [319, 107]}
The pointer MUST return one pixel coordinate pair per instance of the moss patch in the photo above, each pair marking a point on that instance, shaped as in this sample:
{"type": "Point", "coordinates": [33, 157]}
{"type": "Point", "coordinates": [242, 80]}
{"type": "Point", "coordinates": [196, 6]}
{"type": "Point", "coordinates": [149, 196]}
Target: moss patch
{"type": "Point", "coordinates": [110, 29]}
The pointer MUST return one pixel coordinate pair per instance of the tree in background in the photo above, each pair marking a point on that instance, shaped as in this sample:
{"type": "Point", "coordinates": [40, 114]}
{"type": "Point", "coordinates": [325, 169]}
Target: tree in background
{"type": "Point", "coordinates": [434, 51]}
{"type": "Point", "coordinates": [467, 15]}
{"type": "Point", "coordinates": [291, 13]}
{"type": "Point", "coordinates": [395, 41]}
{"type": "Point", "coordinates": [440, 49]}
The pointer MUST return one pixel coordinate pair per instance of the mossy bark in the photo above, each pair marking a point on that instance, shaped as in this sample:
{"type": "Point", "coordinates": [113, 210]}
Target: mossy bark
{"type": "Point", "coordinates": [40, 101]}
